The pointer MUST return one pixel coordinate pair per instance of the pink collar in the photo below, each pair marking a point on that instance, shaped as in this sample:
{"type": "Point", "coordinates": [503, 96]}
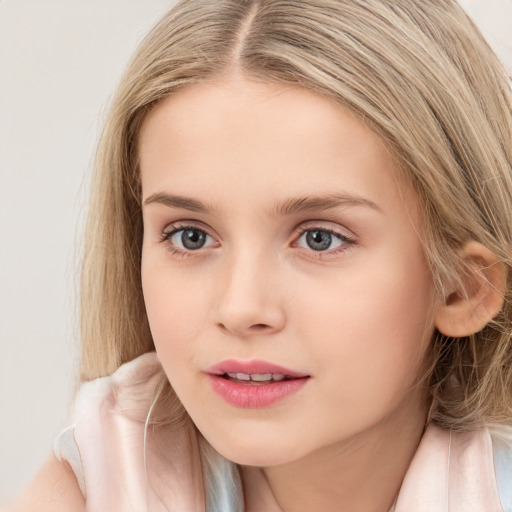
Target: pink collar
{"type": "Point", "coordinates": [451, 472]}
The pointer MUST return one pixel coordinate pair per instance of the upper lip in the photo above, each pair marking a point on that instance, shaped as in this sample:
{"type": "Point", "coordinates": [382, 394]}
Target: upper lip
{"type": "Point", "coordinates": [253, 367]}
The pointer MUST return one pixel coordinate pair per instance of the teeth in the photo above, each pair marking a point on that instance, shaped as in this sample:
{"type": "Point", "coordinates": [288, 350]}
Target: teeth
{"type": "Point", "coordinates": [256, 377]}
{"type": "Point", "coordinates": [261, 378]}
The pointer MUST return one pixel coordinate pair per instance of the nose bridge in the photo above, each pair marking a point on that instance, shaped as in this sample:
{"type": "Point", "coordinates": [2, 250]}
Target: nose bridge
{"type": "Point", "coordinates": [248, 302]}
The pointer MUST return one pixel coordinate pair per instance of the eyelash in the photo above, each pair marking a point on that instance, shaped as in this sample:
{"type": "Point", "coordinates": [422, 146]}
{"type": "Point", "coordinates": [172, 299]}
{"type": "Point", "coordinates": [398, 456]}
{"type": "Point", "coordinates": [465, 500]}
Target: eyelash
{"type": "Point", "coordinates": [346, 242]}
{"type": "Point", "coordinates": [171, 230]}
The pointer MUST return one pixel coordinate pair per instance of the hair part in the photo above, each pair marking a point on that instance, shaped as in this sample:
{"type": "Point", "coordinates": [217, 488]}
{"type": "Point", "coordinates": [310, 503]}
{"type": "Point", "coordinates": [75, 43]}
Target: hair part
{"type": "Point", "coordinates": [418, 73]}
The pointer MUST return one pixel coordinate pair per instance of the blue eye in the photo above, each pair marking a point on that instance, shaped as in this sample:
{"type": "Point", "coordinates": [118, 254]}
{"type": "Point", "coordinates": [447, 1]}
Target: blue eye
{"type": "Point", "coordinates": [320, 240]}
{"type": "Point", "coordinates": [189, 239]}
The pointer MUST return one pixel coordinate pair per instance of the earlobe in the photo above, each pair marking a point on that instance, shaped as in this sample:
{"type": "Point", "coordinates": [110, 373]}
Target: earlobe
{"type": "Point", "coordinates": [469, 308]}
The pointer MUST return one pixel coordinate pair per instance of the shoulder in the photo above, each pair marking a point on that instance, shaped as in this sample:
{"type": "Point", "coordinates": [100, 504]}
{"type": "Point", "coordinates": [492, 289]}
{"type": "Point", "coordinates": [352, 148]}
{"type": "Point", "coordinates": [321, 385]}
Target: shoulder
{"type": "Point", "coordinates": [54, 489]}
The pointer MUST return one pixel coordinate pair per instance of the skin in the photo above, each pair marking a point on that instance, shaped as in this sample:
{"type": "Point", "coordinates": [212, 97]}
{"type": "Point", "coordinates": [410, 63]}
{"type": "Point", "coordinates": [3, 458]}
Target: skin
{"type": "Point", "coordinates": [54, 489]}
{"type": "Point", "coordinates": [356, 317]}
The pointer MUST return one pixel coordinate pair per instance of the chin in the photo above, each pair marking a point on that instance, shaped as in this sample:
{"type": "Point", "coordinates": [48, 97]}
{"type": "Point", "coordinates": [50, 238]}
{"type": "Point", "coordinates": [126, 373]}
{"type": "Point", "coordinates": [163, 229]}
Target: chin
{"type": "Point", "coordinates": [260, 454]}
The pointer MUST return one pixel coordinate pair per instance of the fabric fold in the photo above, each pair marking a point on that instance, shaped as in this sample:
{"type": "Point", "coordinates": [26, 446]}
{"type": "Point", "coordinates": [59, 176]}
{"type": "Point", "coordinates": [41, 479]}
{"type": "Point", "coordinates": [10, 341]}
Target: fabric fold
{"type": "Point", "coordinates": [451, 472]}
{"type": "Point", "coordinates": [124, 470]}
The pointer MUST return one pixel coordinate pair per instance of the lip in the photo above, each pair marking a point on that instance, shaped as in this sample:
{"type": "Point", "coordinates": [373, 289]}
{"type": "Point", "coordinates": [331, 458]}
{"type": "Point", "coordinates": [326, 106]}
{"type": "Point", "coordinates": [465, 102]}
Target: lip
{"type": "Point", "coordinates": [253, 366]}
{"type": "Point", "coordinates": [247, 395]}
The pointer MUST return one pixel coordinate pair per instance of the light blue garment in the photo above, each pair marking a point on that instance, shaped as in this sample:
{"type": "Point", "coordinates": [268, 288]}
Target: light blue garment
{"type": "Point", "coordinates": [502, 447]}
{"type": "Point", "coordinates": [222, 481]}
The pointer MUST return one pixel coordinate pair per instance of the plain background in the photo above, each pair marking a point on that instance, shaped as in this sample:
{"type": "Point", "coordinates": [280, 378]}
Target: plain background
{"type": "Point", "coordinates": [59, 63]}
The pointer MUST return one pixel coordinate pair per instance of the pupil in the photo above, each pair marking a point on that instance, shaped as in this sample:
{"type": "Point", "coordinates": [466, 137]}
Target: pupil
{"type": "Point", "coordinates": [193, 239]}
{"type": "Point", "coordinates": [318, 240]}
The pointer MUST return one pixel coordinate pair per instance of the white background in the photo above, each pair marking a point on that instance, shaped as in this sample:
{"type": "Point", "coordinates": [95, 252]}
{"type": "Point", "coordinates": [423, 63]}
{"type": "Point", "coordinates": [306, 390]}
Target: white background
{"type": "Point", "coordinates": [59, 63]}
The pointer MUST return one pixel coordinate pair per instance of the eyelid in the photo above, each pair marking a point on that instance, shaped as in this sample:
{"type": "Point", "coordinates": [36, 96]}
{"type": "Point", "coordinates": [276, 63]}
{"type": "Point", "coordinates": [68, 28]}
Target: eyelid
{"type": "Point", "coordinates": [186, 224]}
{"type": "Point", "coordinates": [328, 226]}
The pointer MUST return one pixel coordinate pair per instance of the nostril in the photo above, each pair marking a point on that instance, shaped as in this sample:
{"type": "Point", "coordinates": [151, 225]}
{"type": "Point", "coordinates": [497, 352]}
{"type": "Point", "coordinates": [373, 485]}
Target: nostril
{"type": "Point", "coordinates": [259, 327]}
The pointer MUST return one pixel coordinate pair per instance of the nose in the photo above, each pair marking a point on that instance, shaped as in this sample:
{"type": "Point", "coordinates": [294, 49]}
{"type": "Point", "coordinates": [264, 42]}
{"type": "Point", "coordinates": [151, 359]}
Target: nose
{"type": "Point", "coordinates": [249, 303]}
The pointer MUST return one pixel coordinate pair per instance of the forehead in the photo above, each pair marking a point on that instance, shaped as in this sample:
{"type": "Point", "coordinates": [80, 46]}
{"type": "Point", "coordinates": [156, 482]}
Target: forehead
{"type": "Point", "coordinates": [261, 141]}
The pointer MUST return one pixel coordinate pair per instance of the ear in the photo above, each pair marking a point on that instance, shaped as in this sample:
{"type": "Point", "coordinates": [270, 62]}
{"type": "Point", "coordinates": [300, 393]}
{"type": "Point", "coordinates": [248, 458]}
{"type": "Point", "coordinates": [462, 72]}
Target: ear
{"type": "Point", "coordinates": [468, 310]}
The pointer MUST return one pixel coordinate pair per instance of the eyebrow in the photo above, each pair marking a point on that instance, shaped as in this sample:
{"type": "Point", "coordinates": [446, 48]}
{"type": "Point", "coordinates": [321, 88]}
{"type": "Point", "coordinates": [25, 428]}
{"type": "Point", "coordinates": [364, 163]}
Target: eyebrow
{"type": "Point", "coordinates": [323, 202]}
{"type": "Point", "coordinates": [288, 207]}
{"type": "Point", "coordinates": [184, 203]}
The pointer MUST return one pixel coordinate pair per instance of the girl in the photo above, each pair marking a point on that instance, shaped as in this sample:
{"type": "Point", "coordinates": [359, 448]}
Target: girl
{"type": "Point", "coordinates": [296, 286]}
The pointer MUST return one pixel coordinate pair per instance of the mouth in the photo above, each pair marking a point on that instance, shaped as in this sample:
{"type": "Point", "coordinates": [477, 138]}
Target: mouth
{"type": "Point", "coordinates": [255, 379]}
{"type": "Point", "coordinates": [255, 370]}
{"type": "Point", "coordinates": [255, 384]}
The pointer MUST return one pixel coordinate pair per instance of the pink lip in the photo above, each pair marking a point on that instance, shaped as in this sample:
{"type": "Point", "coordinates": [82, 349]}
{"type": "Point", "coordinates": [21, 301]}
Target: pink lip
{"type": "Point", "coordinates": [253, 396]}
{"type": "Point", "coordinates": [253, 366]}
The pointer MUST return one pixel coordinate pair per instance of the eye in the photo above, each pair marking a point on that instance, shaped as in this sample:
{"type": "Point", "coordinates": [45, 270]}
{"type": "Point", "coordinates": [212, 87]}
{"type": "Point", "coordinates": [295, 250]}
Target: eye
{"type": "Point", "coordinates": [188, 238]}
{"type": "Point", "coordinates": [320, 240]}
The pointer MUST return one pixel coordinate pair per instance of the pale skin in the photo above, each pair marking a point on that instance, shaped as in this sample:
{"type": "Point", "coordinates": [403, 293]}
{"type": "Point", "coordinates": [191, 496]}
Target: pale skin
{"type": "Point", "coordinates": [252, 169]}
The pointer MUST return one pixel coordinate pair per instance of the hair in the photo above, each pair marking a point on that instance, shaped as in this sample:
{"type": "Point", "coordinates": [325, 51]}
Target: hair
{"type": "Point", "coordinates": [417, 72]}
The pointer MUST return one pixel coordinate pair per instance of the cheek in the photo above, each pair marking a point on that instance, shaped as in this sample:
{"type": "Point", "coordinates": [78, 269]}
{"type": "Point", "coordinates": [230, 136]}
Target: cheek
{"type": "Point", "coordinates": [371, 329]}
{"type": "Point", "coordinates": [176, 311]}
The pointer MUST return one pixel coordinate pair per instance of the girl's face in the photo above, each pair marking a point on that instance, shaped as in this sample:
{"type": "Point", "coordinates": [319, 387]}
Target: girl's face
{"type": "Point", "coordinates": [278, 243]}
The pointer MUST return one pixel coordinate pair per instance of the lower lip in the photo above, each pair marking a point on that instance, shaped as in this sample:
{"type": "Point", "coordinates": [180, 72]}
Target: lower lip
{"type": "Point", "coordinates": [255, 396]}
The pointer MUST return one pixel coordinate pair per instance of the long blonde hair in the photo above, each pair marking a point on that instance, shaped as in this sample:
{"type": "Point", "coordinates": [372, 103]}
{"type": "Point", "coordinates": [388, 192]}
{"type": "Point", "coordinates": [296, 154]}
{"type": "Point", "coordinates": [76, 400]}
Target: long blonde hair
{"type": "Point", "coordinates": [417, 72]}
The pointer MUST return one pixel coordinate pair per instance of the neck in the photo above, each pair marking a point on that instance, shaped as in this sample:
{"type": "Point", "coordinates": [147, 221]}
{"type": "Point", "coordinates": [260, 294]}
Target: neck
{"type": "Point", "coordinates": [360, 474]}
